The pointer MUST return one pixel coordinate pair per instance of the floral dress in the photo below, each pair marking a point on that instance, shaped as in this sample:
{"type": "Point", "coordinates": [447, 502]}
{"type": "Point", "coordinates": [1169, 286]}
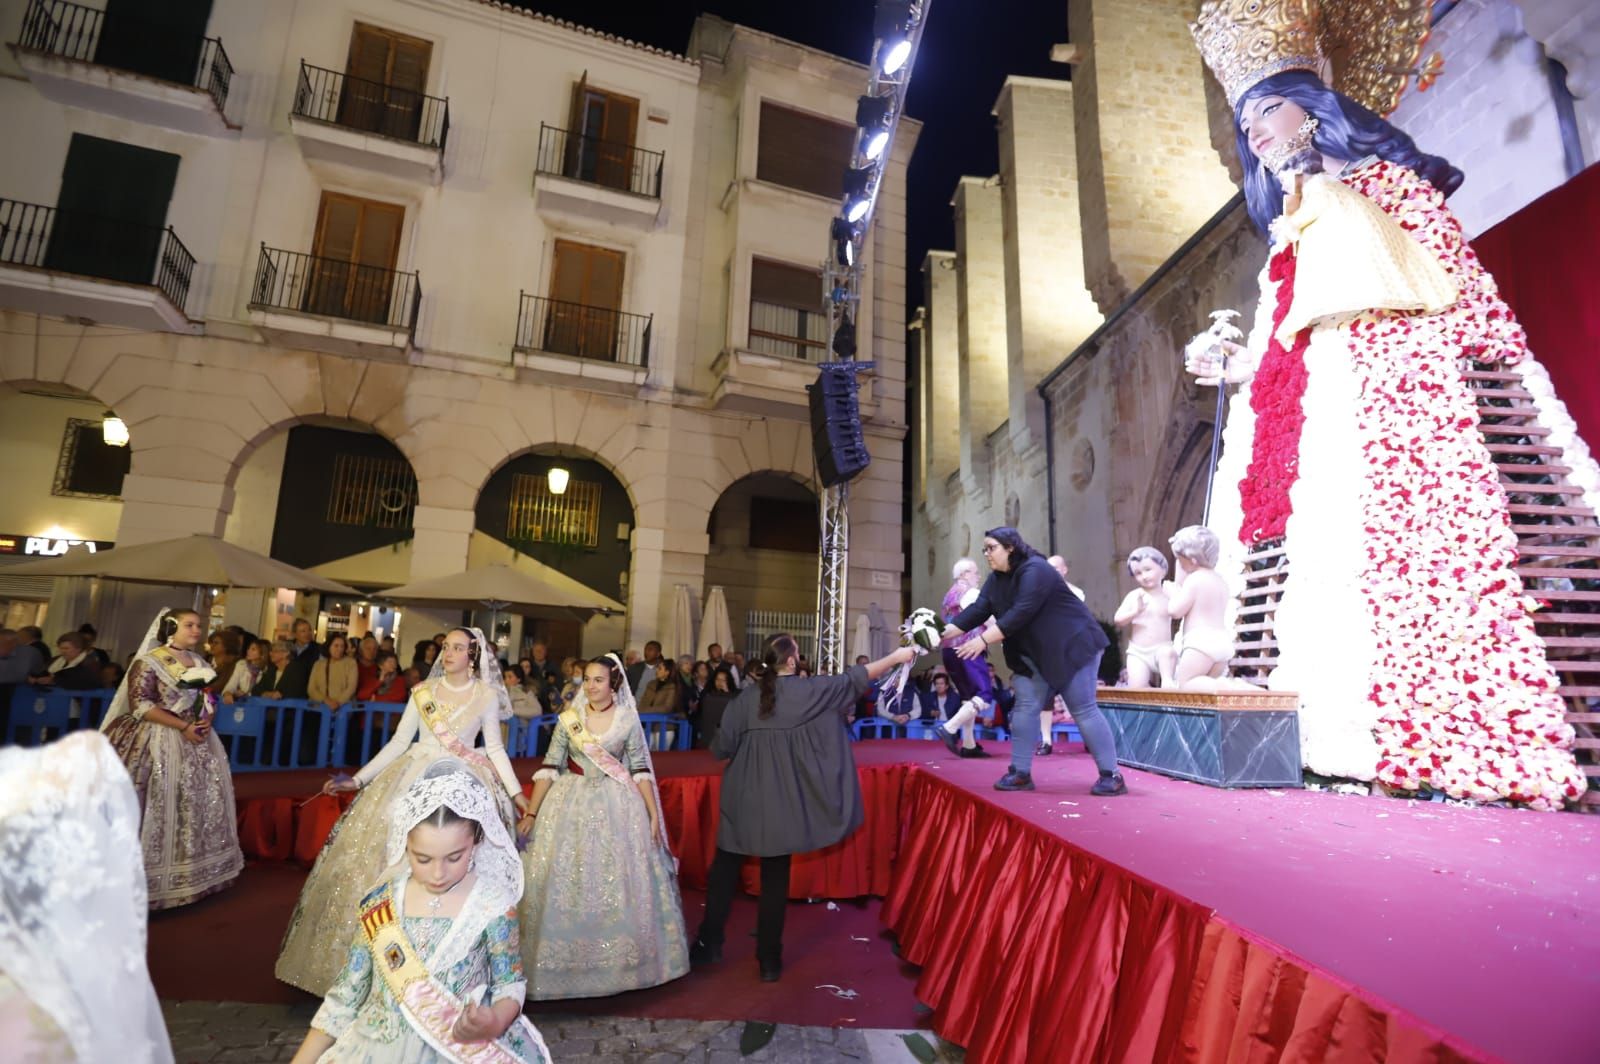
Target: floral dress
{"type": "Point", "coordinates": [352, 859]}
{"type": "Point", "coordinates": [1403, 624]}
{"type": "Point", "coordinates": [360, 1012]}
{"type": "Point", "coordinates": [188, 825]}
{"type": "Point", "coordinates": [601, 912]}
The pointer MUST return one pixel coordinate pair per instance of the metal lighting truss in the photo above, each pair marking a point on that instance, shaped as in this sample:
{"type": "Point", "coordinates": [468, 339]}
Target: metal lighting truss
{"type": "Point", "coordinates": [841, 287]}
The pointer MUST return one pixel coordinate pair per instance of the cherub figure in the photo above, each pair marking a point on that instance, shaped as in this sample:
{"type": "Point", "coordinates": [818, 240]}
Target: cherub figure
{"type": "Point", "coordinates": [1200, 597]}
{"type": "Point", "coordinates": [1144, 612]}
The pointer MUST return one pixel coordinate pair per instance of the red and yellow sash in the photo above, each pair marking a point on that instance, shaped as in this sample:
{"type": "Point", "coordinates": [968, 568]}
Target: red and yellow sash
{"type": "Point", "coordinates": [438, 722]}
{"type": "Point", "coordinates": [428, 1006]}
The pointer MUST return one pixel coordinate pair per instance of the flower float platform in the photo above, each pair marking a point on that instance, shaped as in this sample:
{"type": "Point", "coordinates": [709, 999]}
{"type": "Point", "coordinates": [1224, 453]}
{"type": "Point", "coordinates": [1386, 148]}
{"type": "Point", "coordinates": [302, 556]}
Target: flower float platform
{"type": "Point", "coordinates": [1224, 739]}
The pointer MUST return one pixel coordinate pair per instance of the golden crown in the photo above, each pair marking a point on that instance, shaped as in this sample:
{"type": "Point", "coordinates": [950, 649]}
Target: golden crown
{"type": "Point", "coordinates": [1366, 49]}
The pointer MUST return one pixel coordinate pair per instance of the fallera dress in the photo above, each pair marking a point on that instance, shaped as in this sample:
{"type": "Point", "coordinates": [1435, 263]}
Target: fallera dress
{"type": "Point", "coordinates": [352, 860]}
{"type": "Point", "coordinates": [601, 913]}
{"type": "Point", "coordinates": [188, 827]}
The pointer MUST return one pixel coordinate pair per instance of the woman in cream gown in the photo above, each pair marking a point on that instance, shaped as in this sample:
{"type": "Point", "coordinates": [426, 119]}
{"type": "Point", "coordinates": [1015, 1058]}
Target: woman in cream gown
{"type": "Point", "coordinates": [464, 698]}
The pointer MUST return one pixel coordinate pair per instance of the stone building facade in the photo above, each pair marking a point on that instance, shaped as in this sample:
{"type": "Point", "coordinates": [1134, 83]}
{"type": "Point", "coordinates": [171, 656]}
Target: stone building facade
{"type": "Point", "coordinates": [581, 237]}
{"type": "Point", "coordinates": [1121, 231]}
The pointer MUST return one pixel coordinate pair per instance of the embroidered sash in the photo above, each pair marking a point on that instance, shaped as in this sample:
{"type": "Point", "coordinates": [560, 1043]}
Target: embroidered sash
{"type": "Point", "coordinates": [438, 722]}
{"type": "Point", "coordinates": [427, 1006]}
{"type": "Point", "coordinates": [593, 748]}
{"type": "Point", "coordinates": [174, 669]}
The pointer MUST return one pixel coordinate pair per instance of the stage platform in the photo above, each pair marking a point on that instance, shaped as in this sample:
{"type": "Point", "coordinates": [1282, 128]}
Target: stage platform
{"type": "Point", "coordinates": [1181, 922]}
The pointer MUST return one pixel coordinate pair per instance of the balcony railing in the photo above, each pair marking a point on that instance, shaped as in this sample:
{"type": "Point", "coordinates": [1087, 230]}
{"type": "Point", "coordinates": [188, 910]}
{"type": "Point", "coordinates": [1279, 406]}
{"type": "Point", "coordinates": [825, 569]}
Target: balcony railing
{"type": "Point", "coordinates": [788, 332]}
{"type": "Point", "coordinates": [111, 249]}
{"type": "Point", "coordinates": [126, 42]}
{"type": "Point", "coordinates": [600, 333]}
{"type": "Point", "coordinates": [609, 163]}
{"type": "Point", "coordinates": [372, 107]}
{"type": "Point", "coordinates": [336, 288]}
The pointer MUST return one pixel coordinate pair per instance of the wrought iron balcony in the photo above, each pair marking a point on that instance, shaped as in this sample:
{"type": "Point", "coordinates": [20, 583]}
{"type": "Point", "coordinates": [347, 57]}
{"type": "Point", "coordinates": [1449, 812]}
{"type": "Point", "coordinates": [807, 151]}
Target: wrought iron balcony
{"type": "Point", "coordinates": [608, 163]}
{"type": "Point", "coordinates": [599, 333]}
{"type": "Point", "coordinates": [110, 249]}
{"type": "Point", "coordinates": [372, 107]}
{"type": "Point", "coordinates": [127, 42]}
{"type": "Point", "coordinates": [336, 288]}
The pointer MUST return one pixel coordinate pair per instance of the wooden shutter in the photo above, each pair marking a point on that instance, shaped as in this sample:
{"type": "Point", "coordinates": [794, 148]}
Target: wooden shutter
{"type": "Point", "coordinates": [618, 124]}
{"type": "Point", "coordinates": [574, 132]}
{"type": "Point", "coordinates": [358, 242]}
{"type": "Point", "coordinates": [111, 209]}
{"type": "Point", "coordinates": [586, 290]}
{"type": "Point", "coordinates": [802, 151]}
{"type": "Point", "coordinates": [785, 286]}
{"type": "Point", "coordinates": [385, 76]}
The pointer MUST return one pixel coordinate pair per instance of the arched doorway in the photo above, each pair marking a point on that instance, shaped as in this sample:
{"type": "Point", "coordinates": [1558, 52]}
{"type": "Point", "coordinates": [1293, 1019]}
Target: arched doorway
{"type": "Point", "coordinates": [764, 535]}
{"type": "Point", "coordinates": [332, 496]}
{"type": "Point", "coordinates": [583, 530]}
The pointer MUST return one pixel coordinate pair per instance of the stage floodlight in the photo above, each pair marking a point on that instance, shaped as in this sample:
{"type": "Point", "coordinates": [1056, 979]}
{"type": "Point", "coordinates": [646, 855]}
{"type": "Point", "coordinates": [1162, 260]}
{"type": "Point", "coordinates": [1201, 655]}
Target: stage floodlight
{"type": "Point", "coordinates": [857, 192]}
{"type": "Point", "coordinates": [844, 338]}
{"type": "Point", "coordinates": [844, 242]}
{"type": "Point", "coordinates": [872, 116]}
{"type": "Point", "coordinates": [890, 25]}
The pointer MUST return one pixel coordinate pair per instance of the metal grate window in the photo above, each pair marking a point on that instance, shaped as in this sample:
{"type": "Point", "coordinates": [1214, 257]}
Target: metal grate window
{"type": "Point", "coordinates": [537, 515]}
{"type": "Point", "coordinates": [375, 492]}
{"type": "Point", "coordinates": [762, 625]}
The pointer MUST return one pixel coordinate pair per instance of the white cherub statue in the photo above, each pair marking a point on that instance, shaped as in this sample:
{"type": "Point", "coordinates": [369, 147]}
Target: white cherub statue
{"type": "Point", "coordinates": [1145, 613]}
{"type": "Point", "coordinates": [1200, 597]}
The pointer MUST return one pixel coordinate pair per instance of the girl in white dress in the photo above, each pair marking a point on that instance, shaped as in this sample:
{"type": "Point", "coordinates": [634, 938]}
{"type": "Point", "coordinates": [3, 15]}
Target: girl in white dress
{"type": "Point", "coordinates": [464, 697]}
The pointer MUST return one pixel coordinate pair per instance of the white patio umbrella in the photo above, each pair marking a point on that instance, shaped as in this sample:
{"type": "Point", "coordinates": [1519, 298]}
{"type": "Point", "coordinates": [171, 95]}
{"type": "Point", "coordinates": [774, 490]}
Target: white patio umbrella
{"type": "Point", "coordinates": [203, 561]}
{"type": "Point", "coordinates": [680, 637]}
{"type": "Point", "coordinates": [716, 628]}
{"type": "Point", "coordinates": [534, 588]}
{"type": "Point", "coordinates": [883, 637]}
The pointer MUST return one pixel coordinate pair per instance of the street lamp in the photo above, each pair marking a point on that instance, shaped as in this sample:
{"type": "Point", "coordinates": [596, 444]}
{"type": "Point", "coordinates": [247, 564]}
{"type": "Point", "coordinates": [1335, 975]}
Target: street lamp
{"type": "Point", "coordinates": [557, 478]}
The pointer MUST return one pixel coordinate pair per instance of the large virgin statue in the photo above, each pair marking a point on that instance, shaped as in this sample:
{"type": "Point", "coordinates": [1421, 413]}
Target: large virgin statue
{"type": "Point", "coordinates": [1353, 440]}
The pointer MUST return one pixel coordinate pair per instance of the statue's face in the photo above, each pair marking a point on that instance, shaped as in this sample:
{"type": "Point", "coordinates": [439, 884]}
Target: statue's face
{"type": "Point", "coordinates": [1147, 574]}
{"type": "Point", "coordinates": [1267, 120]}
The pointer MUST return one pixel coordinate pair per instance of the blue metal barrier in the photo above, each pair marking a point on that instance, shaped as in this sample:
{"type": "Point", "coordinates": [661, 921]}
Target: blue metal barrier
{"type": "Point", "coordinates": [530, 737]}
{"type": "Point", "coordinates": [262, 735]}
{"type": "Point", "coordinates": [371, 724]}
{"type": "Point", "coordinates": [663, 731]}
{"type": "Point", "coordinates": [41, 714]}
{"type": "Point", "coordinates": [993, 735]}
{"type": "Point", "coordinates": [878, 728]}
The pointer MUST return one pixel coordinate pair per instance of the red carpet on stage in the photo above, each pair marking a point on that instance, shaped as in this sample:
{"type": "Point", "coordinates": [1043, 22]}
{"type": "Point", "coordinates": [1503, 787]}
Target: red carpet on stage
{"type": "Point", "coordinates": [1176, 923]}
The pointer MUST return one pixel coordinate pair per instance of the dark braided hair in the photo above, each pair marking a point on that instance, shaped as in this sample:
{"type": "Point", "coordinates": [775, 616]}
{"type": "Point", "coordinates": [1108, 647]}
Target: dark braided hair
{"type": "Point", "coordinates": [169, 624]}
{"type": "Point", "coordinates": [780, 648]}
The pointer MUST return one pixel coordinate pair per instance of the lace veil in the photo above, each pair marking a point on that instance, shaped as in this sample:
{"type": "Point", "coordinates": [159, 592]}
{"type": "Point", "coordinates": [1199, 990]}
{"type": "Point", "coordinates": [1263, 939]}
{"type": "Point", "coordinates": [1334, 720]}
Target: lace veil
{"type": "Point", "coordinates": [487, 669]}
{"type": "Point", "coordinates": [73, 905]}
{"type": "Point", "coordinates": [120, 704]}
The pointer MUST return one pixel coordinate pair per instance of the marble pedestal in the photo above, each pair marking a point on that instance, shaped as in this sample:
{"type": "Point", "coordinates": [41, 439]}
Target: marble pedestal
{"type": "Point", "coordinates": [1232, 739]}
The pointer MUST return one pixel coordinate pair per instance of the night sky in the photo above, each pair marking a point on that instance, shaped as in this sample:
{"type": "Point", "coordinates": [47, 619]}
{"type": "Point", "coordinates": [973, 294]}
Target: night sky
{"type": "Point", "coordinates": [968, 49]}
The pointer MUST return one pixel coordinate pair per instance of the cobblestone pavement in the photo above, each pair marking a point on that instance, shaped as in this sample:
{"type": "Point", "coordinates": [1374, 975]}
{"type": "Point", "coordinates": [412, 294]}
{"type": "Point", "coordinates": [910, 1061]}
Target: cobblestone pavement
{"type": "Point", "coordinates": [220, 1032]}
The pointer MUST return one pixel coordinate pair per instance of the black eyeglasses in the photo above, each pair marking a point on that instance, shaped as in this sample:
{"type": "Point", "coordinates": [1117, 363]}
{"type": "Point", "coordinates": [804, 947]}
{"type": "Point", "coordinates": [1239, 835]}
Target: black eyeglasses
{"type": "Point", "coordinates": [990, 547]}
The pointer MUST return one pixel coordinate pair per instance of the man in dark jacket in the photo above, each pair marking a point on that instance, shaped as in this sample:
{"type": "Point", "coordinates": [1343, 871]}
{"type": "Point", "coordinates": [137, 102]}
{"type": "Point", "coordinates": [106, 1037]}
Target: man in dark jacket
{"type": "Point", "coordinates": [1052, 646]}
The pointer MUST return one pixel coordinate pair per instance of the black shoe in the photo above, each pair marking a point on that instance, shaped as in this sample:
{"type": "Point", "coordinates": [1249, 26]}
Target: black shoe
{"type": "Point", "coordinates": [1014, 781]}
{"type": "Point", "coordinates": [975, 751]}
{"type": "Point", "coordinates": [951, 741]}
{"type": "Point", "coordinates": [1109, 784]}
{"type": "Point", "coordinates": [701, 953]}
{"type": "Point", "coordinates": [771, 971]}
{"type": "Point", "coordinates": [1042, 750]}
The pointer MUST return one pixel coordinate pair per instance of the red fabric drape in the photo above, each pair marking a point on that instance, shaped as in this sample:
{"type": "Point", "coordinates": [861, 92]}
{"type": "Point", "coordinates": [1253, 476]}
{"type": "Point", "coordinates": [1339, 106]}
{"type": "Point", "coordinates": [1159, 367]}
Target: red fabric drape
{"type": "Point", "coordinates": [1031, 949]}
{"type": "Point", "coordinates": [277, 828]}
{"type": "Point", "coordinates": [1034, 951]}
{"type": "Point", "coordinates": [1543, 258]}
{"type": "Point", "coordinates": [1248, 1001]}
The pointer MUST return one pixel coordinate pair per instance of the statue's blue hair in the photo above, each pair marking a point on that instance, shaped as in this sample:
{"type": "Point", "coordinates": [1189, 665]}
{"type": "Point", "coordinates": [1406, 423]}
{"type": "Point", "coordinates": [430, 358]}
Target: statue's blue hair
{"type": "Point", "coordinates": [1345, 130]}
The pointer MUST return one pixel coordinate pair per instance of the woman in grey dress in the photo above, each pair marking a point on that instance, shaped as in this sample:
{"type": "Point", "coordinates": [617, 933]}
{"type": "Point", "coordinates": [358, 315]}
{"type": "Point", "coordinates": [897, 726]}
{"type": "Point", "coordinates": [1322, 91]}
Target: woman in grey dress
{"type": "Point", "coordinates": [790, 787]}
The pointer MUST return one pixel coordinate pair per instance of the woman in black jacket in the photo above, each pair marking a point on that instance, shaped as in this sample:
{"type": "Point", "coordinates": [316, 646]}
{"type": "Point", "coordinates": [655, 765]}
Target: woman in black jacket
{"type": "Point", "coordinates": [1053, 646]}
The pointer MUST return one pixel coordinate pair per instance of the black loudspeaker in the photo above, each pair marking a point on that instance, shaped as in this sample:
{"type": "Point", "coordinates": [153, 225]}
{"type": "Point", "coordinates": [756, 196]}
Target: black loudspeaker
{"type": "Point", "coordinates": [836, 440]}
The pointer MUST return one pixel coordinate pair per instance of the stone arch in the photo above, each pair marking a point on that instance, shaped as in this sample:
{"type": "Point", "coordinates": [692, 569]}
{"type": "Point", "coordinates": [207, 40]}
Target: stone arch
{"type": "Point", "coordinates": [1178, 498]}
{"type": "Point", "coordinates": [768, 566]}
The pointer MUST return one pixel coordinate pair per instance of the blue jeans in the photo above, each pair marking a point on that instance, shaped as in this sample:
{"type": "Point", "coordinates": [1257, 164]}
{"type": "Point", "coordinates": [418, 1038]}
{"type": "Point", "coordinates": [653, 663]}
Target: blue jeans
{"type": "Point", "coordinates": [1034, 693]}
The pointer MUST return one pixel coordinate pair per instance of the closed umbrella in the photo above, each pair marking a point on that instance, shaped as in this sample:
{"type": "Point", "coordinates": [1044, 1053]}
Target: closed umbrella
{"type": "Point", "coordinates": [882, 639]}
{"type": "Point", "coordinates": [861, 642]}
{"type": "Point", "coordinates": [716, 627]}
{"type": "Point", "coordinates": [680, 638]}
